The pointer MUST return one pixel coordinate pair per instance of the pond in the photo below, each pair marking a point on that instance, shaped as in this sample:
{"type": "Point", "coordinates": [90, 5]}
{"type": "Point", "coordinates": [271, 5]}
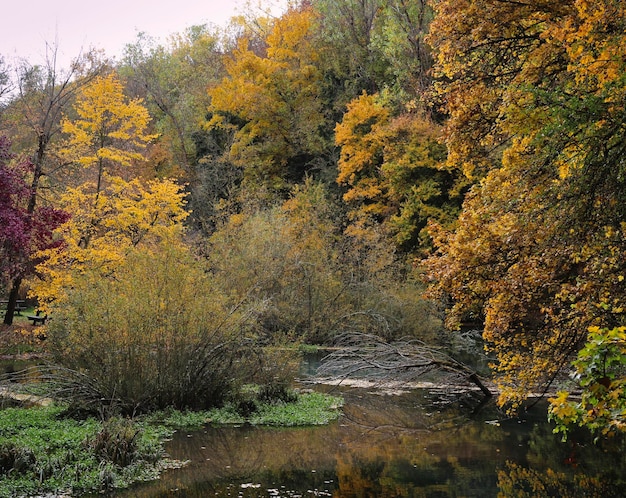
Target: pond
{"type": "Point", "coordinates": [419, 443]}
{"type": "Point", "coordinates": [415, 444]}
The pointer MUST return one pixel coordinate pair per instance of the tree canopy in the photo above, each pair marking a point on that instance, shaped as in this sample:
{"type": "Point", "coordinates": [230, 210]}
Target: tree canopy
{"type": "Point", "coordinates": [536, 254]}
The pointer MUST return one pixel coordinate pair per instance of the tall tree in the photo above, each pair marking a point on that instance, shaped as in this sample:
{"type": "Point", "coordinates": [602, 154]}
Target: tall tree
{"type": "Point", "coordinates": [401, 39]}
{"type": "Point", "coordinates": [536, 94]}
{"type": "Point", "coordinates": [351, 61]}
{"type": "Point", "coordinates": [173, 79]}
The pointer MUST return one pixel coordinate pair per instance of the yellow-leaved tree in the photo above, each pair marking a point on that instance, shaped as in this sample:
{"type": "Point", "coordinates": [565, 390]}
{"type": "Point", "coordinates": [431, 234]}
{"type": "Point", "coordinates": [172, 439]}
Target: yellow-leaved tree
{"type": "Point", "coordinates": [111, 213]}
{"type": "Point", "coordinates": [98, 237]}
{"type": "Point", "coordinates": [272, 102]}
{"type": "Point", "coordinates": [109, 132]}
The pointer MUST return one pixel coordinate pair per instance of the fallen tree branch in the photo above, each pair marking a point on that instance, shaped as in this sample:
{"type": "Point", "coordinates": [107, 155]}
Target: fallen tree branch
{"type": "Point", "coordinates": [370, 357]}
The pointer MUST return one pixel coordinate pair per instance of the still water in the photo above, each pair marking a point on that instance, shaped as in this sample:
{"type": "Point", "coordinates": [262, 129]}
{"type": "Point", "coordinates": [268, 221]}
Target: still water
{"type": "Point", "coordinates": [416, 444]}
{"type": "Point", "coordinates": [413, 444]}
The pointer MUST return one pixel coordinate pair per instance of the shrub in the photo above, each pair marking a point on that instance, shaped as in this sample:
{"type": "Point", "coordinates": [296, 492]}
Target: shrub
{"type": "Point", "coordinates": [116, 442]}
{"type": "Point", "coordinates": [317, 283]}
{"type": "Point", "coordinates": [154, 333]}
{"type": "Point", "coordinates": [274, 378]}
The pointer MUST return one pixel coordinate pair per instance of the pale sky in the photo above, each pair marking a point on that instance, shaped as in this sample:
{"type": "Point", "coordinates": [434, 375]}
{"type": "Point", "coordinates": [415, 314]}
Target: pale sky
{"type": "Point", "coordinates": [27, 25]}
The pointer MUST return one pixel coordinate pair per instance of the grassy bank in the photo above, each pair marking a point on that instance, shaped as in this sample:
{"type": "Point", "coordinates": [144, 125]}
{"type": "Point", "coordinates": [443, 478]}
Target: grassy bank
{"type": "Point", "coordinates": [44, 450]}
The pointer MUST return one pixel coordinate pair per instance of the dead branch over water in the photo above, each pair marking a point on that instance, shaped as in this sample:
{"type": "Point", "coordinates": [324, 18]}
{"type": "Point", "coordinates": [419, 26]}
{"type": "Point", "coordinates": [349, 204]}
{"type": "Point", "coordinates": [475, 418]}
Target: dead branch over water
{"type": "Point", "coordinates": [403, 362]}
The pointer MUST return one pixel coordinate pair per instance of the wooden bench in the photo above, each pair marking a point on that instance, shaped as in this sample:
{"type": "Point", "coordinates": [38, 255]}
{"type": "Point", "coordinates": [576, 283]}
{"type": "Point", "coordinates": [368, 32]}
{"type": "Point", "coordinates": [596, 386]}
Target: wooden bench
{"type": "Point", "coordinates": [37, 319]}
{"type": "Point", "coordinates": [19, 305]}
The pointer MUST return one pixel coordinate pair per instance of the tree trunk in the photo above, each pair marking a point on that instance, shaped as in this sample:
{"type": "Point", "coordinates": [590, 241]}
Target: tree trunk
{"type": "Point", "coordinates": [32, 201]}
{"type": "Point", "coordinates": [8, 317]}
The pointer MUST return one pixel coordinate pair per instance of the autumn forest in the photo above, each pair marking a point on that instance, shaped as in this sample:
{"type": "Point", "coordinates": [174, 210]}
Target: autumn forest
{"type": "Point", "coordinates": [421, 169]}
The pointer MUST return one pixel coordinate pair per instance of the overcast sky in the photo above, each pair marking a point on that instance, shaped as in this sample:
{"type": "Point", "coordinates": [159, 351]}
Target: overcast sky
{"type": "Point", "coordinates": [75, 25]}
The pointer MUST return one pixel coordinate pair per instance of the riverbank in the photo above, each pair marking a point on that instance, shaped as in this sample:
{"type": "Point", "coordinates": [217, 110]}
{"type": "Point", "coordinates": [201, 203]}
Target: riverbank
{"type": "Point", "coordinates": [47, 449]}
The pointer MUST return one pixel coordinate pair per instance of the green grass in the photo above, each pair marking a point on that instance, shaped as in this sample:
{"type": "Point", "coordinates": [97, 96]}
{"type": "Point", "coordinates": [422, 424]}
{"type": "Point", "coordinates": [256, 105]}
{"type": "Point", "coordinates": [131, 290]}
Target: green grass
{"type": "Point", "coordinates": [21, 318]}
{"type": "Point", "coordinates": [44, 451]}
{"type": "Point", "coordinates": [308, 409]}
{"type": "Point", "coordinates": [308, 348]}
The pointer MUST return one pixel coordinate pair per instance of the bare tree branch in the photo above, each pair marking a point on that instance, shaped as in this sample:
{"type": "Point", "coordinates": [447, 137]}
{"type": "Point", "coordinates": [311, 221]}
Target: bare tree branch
{"type": "Point", "coordinates": [405, 361]}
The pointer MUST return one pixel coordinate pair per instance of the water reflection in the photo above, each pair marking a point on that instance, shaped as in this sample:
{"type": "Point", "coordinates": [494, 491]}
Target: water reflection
{"type": "Point", "coordinates": [390, 446]}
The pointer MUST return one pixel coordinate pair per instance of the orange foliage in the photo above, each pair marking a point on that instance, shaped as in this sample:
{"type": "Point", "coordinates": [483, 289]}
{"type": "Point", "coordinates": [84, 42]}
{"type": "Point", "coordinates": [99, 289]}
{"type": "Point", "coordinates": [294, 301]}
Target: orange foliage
{"type": "Point", "coordinates": [536, 105]}
{"type": "Point", "coordinates": [394, 171]}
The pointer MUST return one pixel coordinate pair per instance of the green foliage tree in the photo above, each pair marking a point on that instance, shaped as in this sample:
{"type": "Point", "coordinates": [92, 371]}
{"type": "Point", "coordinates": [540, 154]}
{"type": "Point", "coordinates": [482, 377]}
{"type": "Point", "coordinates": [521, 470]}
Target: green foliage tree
{"type": "Point", "coordinates": [352, 63]}
{"type": "Point", "coordinates": [395, 173]}
{"type": "Point", "coordinates": [600, 368]}
{"type": "Point", "coordinates": [401, 40]}
{"type": "Point", "coordinates": [369, 46]}
{"type": "Point", "coordinates": [173, 79]}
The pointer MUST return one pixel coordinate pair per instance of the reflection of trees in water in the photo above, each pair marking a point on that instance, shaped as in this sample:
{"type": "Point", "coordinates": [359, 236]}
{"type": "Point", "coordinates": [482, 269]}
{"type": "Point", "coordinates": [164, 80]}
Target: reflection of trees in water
{"type": "Point", "coordinates": [520, 482]}
{"type": "Point", "coordinates": [403, 442]}
{"type": "Point", "coordinates": [382, 448]}
{"type": "Point", "coordinates": [422, 410]}
{"type": "Point", "coordinates": [246, 451]}
{"type": "Point", "coordinates": [401, 457]}
{"type": "Point", "coordinates": [465, 458]}
{"type": "Point", "coordinates": [575, 468]}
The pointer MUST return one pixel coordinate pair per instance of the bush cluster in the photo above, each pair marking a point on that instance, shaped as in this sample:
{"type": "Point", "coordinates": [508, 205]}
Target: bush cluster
{"type": "Point", "coordinates": [155, 334]}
